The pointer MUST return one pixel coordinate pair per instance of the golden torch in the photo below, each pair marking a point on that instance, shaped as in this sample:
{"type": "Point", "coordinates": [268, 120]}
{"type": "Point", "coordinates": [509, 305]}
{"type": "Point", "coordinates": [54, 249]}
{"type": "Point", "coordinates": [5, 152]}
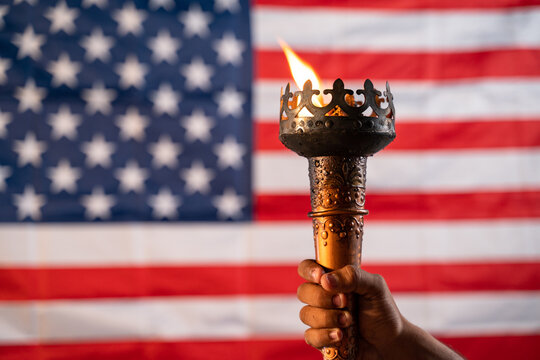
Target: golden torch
{"type": "Point", "coordinates": [336, 136]}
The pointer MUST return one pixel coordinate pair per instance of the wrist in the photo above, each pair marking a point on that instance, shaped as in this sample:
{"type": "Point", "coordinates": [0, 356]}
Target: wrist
{"type": "Point", "coordinates": [415, 343]}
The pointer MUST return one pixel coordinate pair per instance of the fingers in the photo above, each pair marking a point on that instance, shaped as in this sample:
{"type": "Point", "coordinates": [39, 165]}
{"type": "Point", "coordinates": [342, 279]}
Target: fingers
{"type": "Point", "coordinates": [318, 318]}
{"type": "Point", "coordinates": [350, 279]}
{"type": "Point", "coordinates": [315, 295]}
{"type": "Point", "coordinates": [319, 338]}
{"type": "Point", "coordinates": [309, 270]}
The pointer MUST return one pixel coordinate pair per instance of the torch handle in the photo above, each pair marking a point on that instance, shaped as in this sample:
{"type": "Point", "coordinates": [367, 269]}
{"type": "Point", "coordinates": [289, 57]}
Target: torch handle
{"type": "Point", "coordinates": [337, 203]}
{"type": "Point", "coordinates": [333, 251]}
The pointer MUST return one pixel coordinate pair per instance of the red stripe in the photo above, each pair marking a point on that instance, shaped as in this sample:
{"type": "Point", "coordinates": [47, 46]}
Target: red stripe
{"type": "Point", "coordinates": [401, 4]}
{"type": "Point", "coordinates": [438, 135]}
{"type": "Point", "coordinates": [405, 66]}
{"type": "Point", "coordinates": [473, 348]}
{"type": "Point", "coordinates": [121, 282]}
{"type": "Point", "coordinates": [447, 206]}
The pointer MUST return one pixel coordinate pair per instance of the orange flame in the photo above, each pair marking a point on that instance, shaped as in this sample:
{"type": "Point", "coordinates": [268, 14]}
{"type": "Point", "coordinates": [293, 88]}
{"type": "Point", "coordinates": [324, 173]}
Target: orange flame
{"type": "Point", "coordinates": [301, 72]}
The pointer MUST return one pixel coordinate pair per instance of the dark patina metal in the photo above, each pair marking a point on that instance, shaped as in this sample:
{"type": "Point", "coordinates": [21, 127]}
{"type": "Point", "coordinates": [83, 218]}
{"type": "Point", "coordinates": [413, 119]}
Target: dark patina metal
{"type": "Point", "coordinates": [348, 125]}
{"type": "Point", "coordinates": [337, 139]}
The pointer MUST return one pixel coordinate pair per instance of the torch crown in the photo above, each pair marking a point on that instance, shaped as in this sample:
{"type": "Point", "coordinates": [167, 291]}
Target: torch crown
{"type": "Point", "coordinates": [347, 125]}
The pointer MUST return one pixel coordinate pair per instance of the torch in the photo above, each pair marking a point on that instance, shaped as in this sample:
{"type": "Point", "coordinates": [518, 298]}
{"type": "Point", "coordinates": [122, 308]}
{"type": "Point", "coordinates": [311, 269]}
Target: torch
{"type": "Point", "coordinates": [336, 137]}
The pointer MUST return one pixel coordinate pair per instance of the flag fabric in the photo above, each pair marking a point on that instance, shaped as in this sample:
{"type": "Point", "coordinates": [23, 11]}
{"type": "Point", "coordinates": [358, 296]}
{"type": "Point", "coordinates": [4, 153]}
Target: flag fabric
{"type": "Point", "coordinates": [148, 210]}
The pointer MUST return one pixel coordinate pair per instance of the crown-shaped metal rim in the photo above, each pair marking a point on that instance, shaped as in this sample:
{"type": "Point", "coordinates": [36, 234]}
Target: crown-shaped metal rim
{"type": "Point", "coordinates": [372, 99]}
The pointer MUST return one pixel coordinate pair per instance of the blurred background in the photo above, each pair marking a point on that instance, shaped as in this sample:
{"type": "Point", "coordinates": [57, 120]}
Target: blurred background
{"type": "Point", "coordinates": [148, 210]}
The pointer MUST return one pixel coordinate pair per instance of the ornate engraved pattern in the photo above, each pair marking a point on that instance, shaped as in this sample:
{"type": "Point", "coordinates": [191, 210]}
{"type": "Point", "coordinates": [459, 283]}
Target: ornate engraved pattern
{"type": "Point", "coordinates": [365, 110]}
{"type": "Point", "coordinates": [352, 123]}
{"type": "Point", "coordinates": [339, 226]}
{"type": "Point", "coordinates": [337, 201]}
{"type": "Point", "coordinates": [337, 182]}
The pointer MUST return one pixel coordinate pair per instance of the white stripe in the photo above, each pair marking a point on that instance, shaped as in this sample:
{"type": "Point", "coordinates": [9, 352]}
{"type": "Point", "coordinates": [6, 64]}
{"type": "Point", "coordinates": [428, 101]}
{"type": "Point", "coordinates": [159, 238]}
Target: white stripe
{"type": "Point", "coordinates": [241, 317]}
{"type": "Point", "coordinates": [474, 313]}
{"type": "Point", "coordinates": [432, 101]}
{"type": "Point", "coordinates": [53, 245]}
{"type": "Point", "coordinates": [414, 171]}
{"type": "Point", "coordinates": [350, 29]}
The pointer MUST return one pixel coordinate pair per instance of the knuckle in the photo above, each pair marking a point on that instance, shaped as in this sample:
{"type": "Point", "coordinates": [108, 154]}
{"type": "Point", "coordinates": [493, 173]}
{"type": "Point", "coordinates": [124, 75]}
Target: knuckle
{"type": "Point", "coordinates": [316, 337]}
{"type": "Point", "coordinates": [303, 266]}
{"type": "Point", "coordinates": [299, 292]}
{"type": "Point", "coordinates": [307, 337]}
{"type": "Point", "coordinates": [301, 270]}
{"type": "Point", "coordinates": [304, 313]}
{"type": "Point", "coordinates": [379, 281]}
{"type": "Point", "coordinates": [350, 276]}
{"type": "Point", "coordinates": [302, 291]}
{"type": "Point", "coordinates": [310, 338]}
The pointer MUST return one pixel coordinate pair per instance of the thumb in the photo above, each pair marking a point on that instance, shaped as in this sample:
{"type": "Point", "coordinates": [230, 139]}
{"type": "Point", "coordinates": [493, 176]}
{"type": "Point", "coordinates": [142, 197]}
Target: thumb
{"type": "Point", "coordinates": [350, 279]}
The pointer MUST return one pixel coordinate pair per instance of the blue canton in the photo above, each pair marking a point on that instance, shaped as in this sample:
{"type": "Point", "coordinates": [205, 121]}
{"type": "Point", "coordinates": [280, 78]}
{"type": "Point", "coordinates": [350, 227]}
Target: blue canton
{"type": "Point", "coordinates": [125, 111]}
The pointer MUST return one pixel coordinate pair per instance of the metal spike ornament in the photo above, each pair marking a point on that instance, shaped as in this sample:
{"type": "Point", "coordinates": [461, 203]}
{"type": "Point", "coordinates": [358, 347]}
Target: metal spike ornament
{"type": "Point", "coordinates": [336, 138]}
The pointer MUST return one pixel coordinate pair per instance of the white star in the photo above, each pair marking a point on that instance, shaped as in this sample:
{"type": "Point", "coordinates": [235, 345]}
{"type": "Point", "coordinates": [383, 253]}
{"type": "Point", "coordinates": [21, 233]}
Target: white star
{"type": "Point", "coordinates": [131, 177]}
{"type": "Point", "coordinates": [29, 43]}
{"type": "Point", "coordinates": [64, 71]}
{"type": "Point", "coordinates": [230, 153]}
{"type": "Point", "coordinates": [230, 5]}
{"type": "Point", "coordinates": [165, 100]}
{"type": "Point", "coordinates": [164, 152]}
{"type": "Point", "coordinates": [99, 3]}
{"type": "Point", "coordinates": [196, 21]}
{"type": "Point", "coordinates": [29, 150]}
{"type": "Point", "coordinates": [164, 204]}
{"type": "Point", "coordinates": [131, 72]}
{"type": "Point", "coordinates": [132, 124]}
{"type": "Point", "coordinates": [97, 46]}
{"type": "Point", "coordinates": [197, 74]}
{"type": "Point", "coordinates": [62, 18]}
{"type": "Point", "coordinates": [230, 102]}
{"type": "Point", "coordinates": [98, 99]}
{"type": "Point", "coordinates": [5, 119]}
{"type": "Point", "coordinates": [5, 64]}
{"type": "Point", "coordinates": [5, 172]}
{"type": "Point", "coordinates": [97, 204]}
{"type": "Point", "coordinates": [229, 205]}
{"type": "Point", "coordinates": [229, 49]}
{"type": "Point", "coordinates": [129, 19]}
{"type": "Point", "coordinates": [166, 4]}
{"type": "Point", "coordinates": [164, 47]}
{"type": "Point", "coordinates": [197, 178]}
{"type": "Point", "coordinates": [29, 204]}
{"type": "Point", "coordinates": [63, 177]}
{"type": "Point", "coordinates": [198, 126]}
{"type": "Point", "coordinates": [98, 151]}
{"type": "Point", "coordinates": [30, 96]}
{"type": "Point", "coordinates": [3, 12]}
{"type": "Point", "coordinates": [64, 123]}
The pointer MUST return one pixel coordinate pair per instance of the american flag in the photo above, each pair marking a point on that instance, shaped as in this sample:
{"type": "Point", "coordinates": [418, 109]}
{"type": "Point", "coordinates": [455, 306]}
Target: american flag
{"type": "Point", "coordinates": [148, 210]}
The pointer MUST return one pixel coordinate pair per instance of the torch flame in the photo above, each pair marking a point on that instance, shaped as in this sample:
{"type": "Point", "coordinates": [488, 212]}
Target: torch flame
{"type": "Point", "coordinates": [301, 72]}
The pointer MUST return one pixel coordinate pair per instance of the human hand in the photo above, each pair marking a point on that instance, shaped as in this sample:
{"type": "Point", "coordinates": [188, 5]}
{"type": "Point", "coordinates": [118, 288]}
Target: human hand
{"type": "Point", "coordinates": [383, 332]}
{"type": "Point", "coordinates": [379, 321]}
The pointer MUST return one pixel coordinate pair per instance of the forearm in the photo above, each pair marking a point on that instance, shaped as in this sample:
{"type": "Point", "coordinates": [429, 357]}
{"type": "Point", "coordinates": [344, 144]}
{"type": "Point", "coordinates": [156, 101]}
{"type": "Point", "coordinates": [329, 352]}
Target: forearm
{"type": "Point", "coordinates": [416, 344]}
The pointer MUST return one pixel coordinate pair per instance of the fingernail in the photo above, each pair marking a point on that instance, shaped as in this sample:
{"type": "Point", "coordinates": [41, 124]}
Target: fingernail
{"type": "Point", "coordinates": [336, 300]}
{"type": "Point", "coordinates": [332, 280]}
{"type": "Point", "coordinates": [343, 319]}
{"type": "Point", "coordinates": [335, 335]}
